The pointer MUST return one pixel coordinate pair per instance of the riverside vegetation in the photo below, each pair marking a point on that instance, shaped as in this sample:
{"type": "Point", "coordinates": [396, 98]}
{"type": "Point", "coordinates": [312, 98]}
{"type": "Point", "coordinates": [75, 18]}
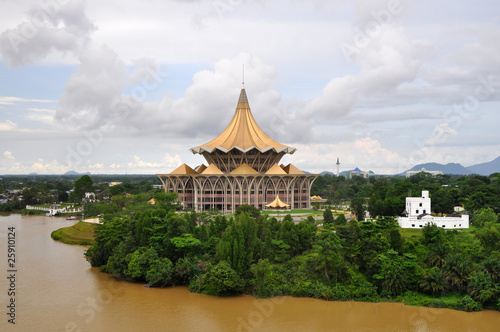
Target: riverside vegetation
{"type": "Point", "coordinates": [340, 260]}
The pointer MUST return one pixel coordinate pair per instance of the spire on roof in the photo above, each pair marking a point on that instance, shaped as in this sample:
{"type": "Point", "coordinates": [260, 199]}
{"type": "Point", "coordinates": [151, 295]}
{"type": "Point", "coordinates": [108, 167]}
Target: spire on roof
{"type": "Point", "coordinates": [243, 133]}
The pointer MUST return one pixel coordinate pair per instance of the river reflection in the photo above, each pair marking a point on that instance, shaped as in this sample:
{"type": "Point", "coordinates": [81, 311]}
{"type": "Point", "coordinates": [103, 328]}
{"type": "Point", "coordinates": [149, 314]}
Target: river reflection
{"type": "Point", "coordinates": [57, 290]}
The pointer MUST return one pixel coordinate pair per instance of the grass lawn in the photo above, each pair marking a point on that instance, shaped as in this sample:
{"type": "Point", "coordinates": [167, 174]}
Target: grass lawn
{"type": "Point", "coordinates": [407, 233]}
{"type": "Point", "coordinates": [284, 212]}
{"type": "Point", "coordinates": [80, 233]}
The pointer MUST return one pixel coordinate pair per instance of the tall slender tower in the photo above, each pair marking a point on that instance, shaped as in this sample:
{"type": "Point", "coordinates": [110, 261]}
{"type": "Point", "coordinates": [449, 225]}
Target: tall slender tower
{"type": "Point", "coordinates": [338, 167]}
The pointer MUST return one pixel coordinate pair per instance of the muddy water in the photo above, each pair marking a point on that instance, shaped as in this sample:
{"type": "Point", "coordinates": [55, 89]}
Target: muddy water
{"type": "Point", "coordinates": [57, 290]}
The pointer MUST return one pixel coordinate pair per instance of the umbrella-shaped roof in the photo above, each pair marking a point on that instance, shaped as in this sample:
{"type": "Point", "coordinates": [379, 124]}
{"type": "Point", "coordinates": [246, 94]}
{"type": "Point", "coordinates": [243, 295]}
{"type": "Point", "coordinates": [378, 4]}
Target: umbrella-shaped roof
{"type": "Point", "coordinates": [243, 133]}
{"type": "Point", "coordinates": [277, 203]}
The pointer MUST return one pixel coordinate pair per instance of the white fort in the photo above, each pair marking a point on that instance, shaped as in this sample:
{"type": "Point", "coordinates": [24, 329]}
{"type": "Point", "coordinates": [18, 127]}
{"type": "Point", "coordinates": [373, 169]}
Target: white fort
{"type": "Point", "coordinates": [417, 215]}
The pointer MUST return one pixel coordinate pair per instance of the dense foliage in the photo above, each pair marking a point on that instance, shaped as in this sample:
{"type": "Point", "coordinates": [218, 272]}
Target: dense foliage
{"type": "Point", "coordinates": [257, 254]}
{"type": "Point", "coordinates": [385, 196]}
{"type": "Point", "coordinates": [49, 189]}
{"type": "Point", "coordinates": [251, 253]}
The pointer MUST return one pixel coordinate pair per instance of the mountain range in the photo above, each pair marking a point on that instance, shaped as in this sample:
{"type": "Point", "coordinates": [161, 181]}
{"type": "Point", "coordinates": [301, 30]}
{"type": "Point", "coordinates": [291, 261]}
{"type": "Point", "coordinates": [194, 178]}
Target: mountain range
{"type": "Point", "coordinates": [450, 168]}
{"type": "Point", "coordinates": [457, 169]}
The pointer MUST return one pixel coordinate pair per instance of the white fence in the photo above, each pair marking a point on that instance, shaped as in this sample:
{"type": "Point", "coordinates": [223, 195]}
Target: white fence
{"type": "Point", "coordinates": [55, 210]}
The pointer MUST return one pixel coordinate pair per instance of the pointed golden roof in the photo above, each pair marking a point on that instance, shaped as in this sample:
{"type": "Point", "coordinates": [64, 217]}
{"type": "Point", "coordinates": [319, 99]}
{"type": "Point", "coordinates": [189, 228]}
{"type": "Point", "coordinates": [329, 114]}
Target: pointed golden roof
{"type": "Point", "coordinates": [243, 133]}
{"type": "Point", "coordinates": [183, 169]}
{"type": "Point", "coordinates": [290, 169]}
{"type": "Point", "coordinates": [277, 203]}
{"type": "Point", "coordinates": [201, 168]}
{"type": "Point", "coordinates": [244, 169]}
{"type": "Point", "coordinates": [212, 169]}
{"type": "Point", "coordinates": [275, 170]}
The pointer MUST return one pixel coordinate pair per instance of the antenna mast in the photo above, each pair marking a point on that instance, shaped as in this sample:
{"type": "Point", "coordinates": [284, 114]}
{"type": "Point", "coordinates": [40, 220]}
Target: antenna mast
{"type": "Point", "coordinates": [243, 76]}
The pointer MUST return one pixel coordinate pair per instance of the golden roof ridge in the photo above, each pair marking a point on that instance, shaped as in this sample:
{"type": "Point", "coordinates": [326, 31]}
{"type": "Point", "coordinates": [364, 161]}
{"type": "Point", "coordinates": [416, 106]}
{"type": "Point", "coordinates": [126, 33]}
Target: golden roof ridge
{"type": "Point", "coordinates": [243, 133]}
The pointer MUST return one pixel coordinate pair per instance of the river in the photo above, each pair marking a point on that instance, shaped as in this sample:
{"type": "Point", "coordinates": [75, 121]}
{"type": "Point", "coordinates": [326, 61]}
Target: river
{"type": "Point", "coordinates": [57, 290]}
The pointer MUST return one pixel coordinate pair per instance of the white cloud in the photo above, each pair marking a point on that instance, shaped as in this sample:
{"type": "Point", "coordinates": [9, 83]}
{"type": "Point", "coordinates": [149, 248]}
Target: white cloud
{"type": "Point", "coordinates": [43, 115]}
{"type": "Point", "coordinates": [93, 96]}
{"type": "Point", "coordinates": [91, 93]}
{"type": "Point", "coordinates": [7, 125]}
{"type": "Point", "coordinates": [8, 155]}
{"type": "Point", "coordinates": [387, 62]}
{"type": "Point", "coordinates": [58, 26]}
{"type": "Point", "coordinates": [389, 100]}
{"type": "Point", "coordinates": [168, 163]}
{"type": "Point", "coordinates": [15, 100]}
{"type": "Point", "coordinates": [364, 152]}
{"type": "Point", "coordinates": [38, 167]}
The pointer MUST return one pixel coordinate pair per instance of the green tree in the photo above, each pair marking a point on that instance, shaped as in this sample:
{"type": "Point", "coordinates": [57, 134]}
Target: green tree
{"type": "Point", "coordinates": [232, 248]}
{"type": "Point", "coordinates": [82, 186]}
{"type": "Point", "coordinates": [341, 220]}
{"type": "Point", "coordinates": [392, 275]}
{"type": "Point", "coordinates": [491, 266]}
{"type": "Point", "coordinates": [457, 271]}
{"type": "Point", "coordinates": [288, 234]}
{"type": "Point", "coordinates": [30, 196]}
{"type": "Point", "coordinates": [140, 262]}
{"type": "Point", "coordinates": [357, 207]}
{"type": "Point", "coordinates": [475, 202]}
{"type": "Point", "coordinates": [221, 280]}
{"type": "Point", "coordinates": [486, 215]}
{"type": "Point", "coordinates": [327, 218]}
{"type": "Point", "coordinates": [395, 240]}
{"type": "Point", "coordinates": [489, 236]}
{"type": "Point", "coordinates": [262, 271]}
{"type": "Point", "coordinates": [109, 235]}
{"type": "Point", "coordinates": [186, 244]}
{"type": "Point", "coordinates": [251, 210]}
{"type": "Point", "coordinates": [442, 201]}
{"type": "Point", "coordinates": [160, 273]}
{"type": "Point", "coordinates": [432, 281]}
{"type": "Point", "coordinates": [305, 232]}
{"type": "Point", "coordinates": [328, 249]}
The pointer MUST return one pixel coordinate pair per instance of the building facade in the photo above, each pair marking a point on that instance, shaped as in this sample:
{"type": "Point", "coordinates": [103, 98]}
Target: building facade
{"type": "Point", "coordinates": [358, 172]}
{"type": "Point", "coordinates": [243, 168]}
{"type": "Point", "coordinates": [417, 214]}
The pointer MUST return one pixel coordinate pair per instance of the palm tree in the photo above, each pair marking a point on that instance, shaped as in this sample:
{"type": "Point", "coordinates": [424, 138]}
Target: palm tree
{"type": "Point", "coordinates": [482, 288]}
{"type": "Point", "coordinates": [394, 281]}
{"type": "Point", "coordinates": [457, 271]}
{"type": "Point", "coordinates": [432, 281]}
{"type": "Point", "coordinates": [491, 266]}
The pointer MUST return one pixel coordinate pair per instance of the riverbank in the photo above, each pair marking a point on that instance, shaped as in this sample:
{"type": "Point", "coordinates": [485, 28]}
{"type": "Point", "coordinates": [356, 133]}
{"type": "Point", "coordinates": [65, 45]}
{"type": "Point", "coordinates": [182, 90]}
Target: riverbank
{"type": "Point", "coordinates": [80, 233]}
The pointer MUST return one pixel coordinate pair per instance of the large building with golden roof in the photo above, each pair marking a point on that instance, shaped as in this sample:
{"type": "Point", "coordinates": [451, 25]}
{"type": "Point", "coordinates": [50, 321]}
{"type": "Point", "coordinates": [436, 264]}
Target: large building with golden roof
{"type": "Point", "coordinates": [243, 168]}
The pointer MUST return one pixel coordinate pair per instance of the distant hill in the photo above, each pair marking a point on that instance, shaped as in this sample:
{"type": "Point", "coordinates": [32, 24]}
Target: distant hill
{"type": "Point", "coordinates": [76, 173]}
{"type": "Point", "coordinates": [451, 168]}
{"type": "Point", "coordinates": [326, 172]}
{"type": "Point", "coordinates": [486, 168]}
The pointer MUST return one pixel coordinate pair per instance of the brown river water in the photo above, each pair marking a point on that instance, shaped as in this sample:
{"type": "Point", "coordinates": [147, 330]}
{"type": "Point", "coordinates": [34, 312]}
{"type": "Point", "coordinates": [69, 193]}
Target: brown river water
{"type": "Point", "coordinates": [57, 290]}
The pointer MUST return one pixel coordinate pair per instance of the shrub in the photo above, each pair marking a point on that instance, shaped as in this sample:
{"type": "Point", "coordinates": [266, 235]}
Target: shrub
{"type": "Point", "coordinates": [468, 304]}
{"type": "Point", "coordinates": [221, 280]}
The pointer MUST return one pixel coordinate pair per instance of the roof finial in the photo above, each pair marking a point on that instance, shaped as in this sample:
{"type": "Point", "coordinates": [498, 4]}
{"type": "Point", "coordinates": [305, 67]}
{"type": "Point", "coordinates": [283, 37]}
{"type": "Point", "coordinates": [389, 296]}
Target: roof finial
{"type": "Point", "coordinates": [243, 77]}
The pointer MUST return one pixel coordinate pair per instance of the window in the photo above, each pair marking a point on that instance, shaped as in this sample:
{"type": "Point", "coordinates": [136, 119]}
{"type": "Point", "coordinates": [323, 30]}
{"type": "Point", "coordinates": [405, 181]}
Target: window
{"type": "Point", "coordinates": [424, 211]}
{"type": "Point", "coordinates": [412, 225]}
{"type": "Point", "coordinates": [444, 226]}
{"type": "Point", "coordinates": [416, 211]}
{"type": "Point", "coordinates": [420, 226]}
{"type": "Point", "coordinates": [420, 204]}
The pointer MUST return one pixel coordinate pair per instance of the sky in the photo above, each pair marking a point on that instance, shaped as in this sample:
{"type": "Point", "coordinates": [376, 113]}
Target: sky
{"type": "Point", "coordinates": [127, 87]}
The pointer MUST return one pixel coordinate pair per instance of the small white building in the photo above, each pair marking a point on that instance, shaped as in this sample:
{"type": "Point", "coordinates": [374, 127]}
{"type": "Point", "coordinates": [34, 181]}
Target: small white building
{"type": "Point", "coordinates": [417, 215]}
